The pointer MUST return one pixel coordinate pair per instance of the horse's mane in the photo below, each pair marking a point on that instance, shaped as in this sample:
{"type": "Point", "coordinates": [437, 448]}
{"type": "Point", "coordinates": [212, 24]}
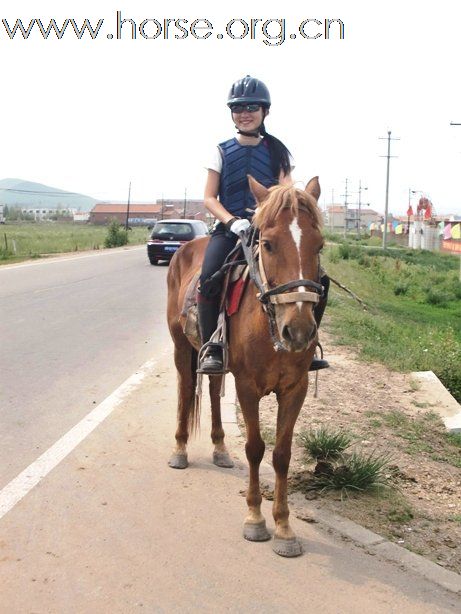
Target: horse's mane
{"type": "Point", "coordinates": [286, 197]}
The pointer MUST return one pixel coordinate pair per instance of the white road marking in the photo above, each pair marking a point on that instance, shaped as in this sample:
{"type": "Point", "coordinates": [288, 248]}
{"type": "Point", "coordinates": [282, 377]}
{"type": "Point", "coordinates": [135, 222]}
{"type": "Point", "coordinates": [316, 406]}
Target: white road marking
{"type": "Point", "coordinates": [18, 488]}
{"type": "Point", "coordinates": [296, 233]}
{"type": "Point", "coordinates": [66, 258]}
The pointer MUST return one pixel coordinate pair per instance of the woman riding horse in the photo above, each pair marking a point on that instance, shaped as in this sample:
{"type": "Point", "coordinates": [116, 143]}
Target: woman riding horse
{"type": "Point", "coordinates": [229, 199]}
{"type": "Point", "coordinates": [272, 340]}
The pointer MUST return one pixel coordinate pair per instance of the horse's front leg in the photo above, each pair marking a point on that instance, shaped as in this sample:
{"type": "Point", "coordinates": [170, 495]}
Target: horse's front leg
{"type": "Point", "coordinates": [221, 456]}
{"type": "Point", "coordinates": [290, 402]}
{"type": "Point", "coordinates": [254, 528]}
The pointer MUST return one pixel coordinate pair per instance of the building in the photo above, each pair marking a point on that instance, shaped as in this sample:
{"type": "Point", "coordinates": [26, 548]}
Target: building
{"type": "Point", "coordinates": [81, 216]}
{"type": "Point", "coordinates": [105, 213]}
{"type": "Point", "coordinates": [334, 218]}
{"type": "Point", "coordinates": [43, 213]}
{"type": "Point", "coordinates": [147, 214]}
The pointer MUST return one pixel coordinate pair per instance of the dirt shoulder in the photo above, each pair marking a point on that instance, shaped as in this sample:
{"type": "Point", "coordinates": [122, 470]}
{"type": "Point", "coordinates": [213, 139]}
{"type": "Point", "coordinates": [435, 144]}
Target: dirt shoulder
{"type": "Point", "coordinates": [386, 413]}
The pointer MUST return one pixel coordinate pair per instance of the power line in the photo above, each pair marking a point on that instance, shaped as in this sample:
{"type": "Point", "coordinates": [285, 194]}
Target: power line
{"type": "Point", "coordinates": [41, 193]}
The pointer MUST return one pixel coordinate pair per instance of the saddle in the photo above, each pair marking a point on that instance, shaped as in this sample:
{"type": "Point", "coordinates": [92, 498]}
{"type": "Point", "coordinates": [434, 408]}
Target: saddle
{"type": "Point", "coordinates": [233, 286]}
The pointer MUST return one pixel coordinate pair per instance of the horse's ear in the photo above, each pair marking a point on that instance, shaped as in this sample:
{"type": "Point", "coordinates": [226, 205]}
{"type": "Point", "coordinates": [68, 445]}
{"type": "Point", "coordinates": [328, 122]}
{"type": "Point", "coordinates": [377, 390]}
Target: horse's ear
{"type": "Point", "coordinates": [313, 188]}
{"type": "Point", "coordinates": [258, 190]}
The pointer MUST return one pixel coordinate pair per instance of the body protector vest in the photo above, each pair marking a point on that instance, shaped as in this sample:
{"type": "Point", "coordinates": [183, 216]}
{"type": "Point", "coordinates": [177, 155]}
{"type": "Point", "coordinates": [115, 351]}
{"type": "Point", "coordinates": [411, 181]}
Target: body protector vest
{"type": "Point", "coordinates": [238, 162]}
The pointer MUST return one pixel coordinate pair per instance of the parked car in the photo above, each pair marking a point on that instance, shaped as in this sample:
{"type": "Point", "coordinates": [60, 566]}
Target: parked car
{"type": "Point", "coordinates": [167, 237]}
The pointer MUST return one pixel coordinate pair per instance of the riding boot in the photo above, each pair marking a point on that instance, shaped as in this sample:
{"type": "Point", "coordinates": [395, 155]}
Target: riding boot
{"type": "Point", "coordinates": [319, 310]}
{"type": "Point", "coordinates": [208, 312]}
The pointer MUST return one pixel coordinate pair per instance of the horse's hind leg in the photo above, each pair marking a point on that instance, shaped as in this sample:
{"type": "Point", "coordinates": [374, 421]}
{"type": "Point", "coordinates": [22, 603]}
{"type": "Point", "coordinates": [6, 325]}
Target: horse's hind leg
{"type": "Point", "coordinates": [221, 456]}
{"type": "Point", "coordinates": [185, 359]}
{"type": "Point", "coordinates": [254, 527]}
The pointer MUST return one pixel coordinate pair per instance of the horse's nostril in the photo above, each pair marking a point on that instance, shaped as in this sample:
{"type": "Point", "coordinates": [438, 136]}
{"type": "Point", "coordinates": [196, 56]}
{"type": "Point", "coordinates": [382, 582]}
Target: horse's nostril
{"type": "Point", "coordinates": [286, 333]}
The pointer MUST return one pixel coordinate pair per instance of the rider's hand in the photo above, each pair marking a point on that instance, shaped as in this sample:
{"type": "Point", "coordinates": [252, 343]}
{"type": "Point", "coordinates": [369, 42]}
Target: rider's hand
{"type": "Point", "coordinates": [239, 226]}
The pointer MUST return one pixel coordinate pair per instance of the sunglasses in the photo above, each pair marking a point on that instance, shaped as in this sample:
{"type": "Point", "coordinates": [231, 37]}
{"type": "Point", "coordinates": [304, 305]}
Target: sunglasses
{"type": "Point", "coordinates": [250, 108]}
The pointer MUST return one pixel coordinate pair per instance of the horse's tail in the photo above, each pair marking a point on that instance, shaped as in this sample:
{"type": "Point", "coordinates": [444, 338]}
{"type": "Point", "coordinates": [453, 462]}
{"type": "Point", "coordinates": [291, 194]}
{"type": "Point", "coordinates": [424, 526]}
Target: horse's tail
{"type": "Point", "coordinates": [193, 421]}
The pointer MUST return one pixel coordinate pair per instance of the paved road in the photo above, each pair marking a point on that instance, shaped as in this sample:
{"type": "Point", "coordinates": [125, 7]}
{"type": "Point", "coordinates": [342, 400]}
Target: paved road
{"type": "Point", "coordinates": [112, 529]}
{"type": "Point", "coordinates": [71, 330]}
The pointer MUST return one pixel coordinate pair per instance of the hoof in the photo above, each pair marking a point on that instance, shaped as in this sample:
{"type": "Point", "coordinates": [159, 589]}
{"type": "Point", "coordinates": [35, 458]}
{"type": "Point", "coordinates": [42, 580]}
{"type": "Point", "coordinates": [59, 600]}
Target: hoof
{"type": "Point", "coordinates": [287, 547]}
{"type": "Point", "coordinates": [222, 459]}
{"type": "Point", "coordinates": [256, 532]}
{"type": "Point", "coordinates": [178, 461]}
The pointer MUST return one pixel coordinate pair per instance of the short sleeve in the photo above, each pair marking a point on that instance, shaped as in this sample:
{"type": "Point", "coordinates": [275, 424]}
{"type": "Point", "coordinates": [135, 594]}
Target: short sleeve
{"type": "Point", "coordinates": [215, 161]}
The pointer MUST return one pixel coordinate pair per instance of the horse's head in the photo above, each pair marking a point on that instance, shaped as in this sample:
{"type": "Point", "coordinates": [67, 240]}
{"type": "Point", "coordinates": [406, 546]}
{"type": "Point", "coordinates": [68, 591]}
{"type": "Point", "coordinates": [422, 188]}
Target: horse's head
{"type": "Point", "coordinates": [290, 238]}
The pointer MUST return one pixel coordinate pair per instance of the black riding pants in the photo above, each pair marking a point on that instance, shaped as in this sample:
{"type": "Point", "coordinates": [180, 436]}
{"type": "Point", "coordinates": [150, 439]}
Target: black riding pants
{"type": "Point", "coordinates": [222, 242]}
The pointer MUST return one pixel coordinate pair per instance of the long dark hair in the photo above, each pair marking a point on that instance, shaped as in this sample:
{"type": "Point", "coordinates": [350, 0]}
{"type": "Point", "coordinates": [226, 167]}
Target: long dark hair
{"type": "Point", "coordinates": [280, 156]}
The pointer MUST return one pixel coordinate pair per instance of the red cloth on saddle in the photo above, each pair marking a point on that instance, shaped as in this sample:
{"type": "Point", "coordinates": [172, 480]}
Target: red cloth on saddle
{"type": "Point", "coordinates": [234, 295]}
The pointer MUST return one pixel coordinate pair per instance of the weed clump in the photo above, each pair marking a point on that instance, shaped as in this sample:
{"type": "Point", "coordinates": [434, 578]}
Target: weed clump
{"type": "Point", "coordinates": [357, 472]}
{"type": "Point", "coordinates": [323, 444]}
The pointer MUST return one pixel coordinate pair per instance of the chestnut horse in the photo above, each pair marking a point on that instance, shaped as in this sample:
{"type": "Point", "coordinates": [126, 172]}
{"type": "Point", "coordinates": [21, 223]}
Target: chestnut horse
{"type": "Point", "coordinates": [290, 239]}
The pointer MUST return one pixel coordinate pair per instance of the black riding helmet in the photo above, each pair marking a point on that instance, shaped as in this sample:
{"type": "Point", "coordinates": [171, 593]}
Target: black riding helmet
{"type": "Point", "coordinates": [247, 91]}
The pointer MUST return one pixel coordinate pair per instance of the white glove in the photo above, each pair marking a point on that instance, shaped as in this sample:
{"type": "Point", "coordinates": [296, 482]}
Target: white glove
{"type": "Point", "coordinates": [239, 226]}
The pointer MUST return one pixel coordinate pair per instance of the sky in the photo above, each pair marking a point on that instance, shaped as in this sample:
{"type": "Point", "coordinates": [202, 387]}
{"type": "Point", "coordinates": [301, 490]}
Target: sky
{"type": "Point", "coordinates": [90, 115]}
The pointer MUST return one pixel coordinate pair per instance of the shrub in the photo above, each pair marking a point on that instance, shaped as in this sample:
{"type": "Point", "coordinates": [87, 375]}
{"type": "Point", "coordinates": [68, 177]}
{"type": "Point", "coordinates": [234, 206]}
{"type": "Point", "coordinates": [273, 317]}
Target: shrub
{"type": "Point", "coordinates": [344, 251]}
{"type": "Point", "coordinates": [438, 297]}
{"type": "Point", "coordinates": [116, 235]}
{"type": "Point", "coordinates": [401, 287]}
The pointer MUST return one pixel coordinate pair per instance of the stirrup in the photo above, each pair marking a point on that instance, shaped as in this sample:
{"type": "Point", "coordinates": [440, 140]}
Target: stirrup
{"type": "Point", "coordinates": [318, 363]}
{"type": "Point", "coordinates": [211, 362]}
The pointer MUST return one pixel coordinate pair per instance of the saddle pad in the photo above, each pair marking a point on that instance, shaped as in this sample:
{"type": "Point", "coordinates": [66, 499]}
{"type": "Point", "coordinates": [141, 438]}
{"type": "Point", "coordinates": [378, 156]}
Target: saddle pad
{"type": "Point", "coordinates": [234, 295]}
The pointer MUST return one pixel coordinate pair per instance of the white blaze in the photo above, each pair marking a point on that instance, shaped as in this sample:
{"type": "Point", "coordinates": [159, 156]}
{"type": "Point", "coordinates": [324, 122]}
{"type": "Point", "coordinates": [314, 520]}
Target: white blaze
{"type": "Point", "coordinates": [296, 233]}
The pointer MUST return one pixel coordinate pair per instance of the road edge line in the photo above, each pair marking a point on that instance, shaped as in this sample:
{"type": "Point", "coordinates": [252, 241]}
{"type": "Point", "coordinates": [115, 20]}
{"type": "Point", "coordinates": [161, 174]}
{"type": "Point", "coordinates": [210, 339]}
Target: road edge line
{"type": "Point", "coordinates": [23, 483]}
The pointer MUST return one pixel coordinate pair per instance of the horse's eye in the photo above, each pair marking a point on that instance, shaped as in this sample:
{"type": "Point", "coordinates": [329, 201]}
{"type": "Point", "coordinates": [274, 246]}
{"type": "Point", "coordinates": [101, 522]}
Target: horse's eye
{"type": "Point", "coordinates": [267, 246]}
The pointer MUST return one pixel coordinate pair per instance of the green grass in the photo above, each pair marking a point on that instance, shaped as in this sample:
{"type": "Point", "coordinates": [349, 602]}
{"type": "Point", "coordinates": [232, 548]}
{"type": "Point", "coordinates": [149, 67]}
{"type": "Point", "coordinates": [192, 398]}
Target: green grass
{"type": "Point", "coordinates": [455, 439]}
{"type": "Point", "coordinates": [405, 331]}
{"type": "Point", "coordinates": [34, 240]}
{"type": "Point", "coordinates": [324, 444]}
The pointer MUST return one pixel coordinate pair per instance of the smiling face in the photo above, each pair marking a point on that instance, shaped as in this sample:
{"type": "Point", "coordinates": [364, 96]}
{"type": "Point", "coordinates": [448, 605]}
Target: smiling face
{"type": "Point", "coordinates": [249, 121]}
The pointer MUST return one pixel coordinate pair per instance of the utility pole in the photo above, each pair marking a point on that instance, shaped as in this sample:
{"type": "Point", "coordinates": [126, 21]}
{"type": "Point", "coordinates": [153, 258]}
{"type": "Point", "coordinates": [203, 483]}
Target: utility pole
{"type": "Point", "coordinates": [346, 194]}
{"type": "Point", "coordinates": [387, 184]}
{"type": "Point", "coordinates": [185, 202]}
{"type": "Point", "coordinates": [128, 207]}
{"type": "Point", "coordinates": [360, 207]}
{"type": "Point", "coordinates": [457, 124]}
{"type": "Point", "coordinates": [162, 207]}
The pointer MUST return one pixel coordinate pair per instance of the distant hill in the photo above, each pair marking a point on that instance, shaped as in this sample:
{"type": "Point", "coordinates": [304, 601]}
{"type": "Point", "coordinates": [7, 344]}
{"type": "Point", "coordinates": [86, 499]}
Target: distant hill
{"type": "Point", "coordinates": [20, 193]}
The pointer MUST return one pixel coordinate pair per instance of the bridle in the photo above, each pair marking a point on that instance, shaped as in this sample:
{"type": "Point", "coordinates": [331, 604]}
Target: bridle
{"type": "Point", "coordinates": [281, 294]}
